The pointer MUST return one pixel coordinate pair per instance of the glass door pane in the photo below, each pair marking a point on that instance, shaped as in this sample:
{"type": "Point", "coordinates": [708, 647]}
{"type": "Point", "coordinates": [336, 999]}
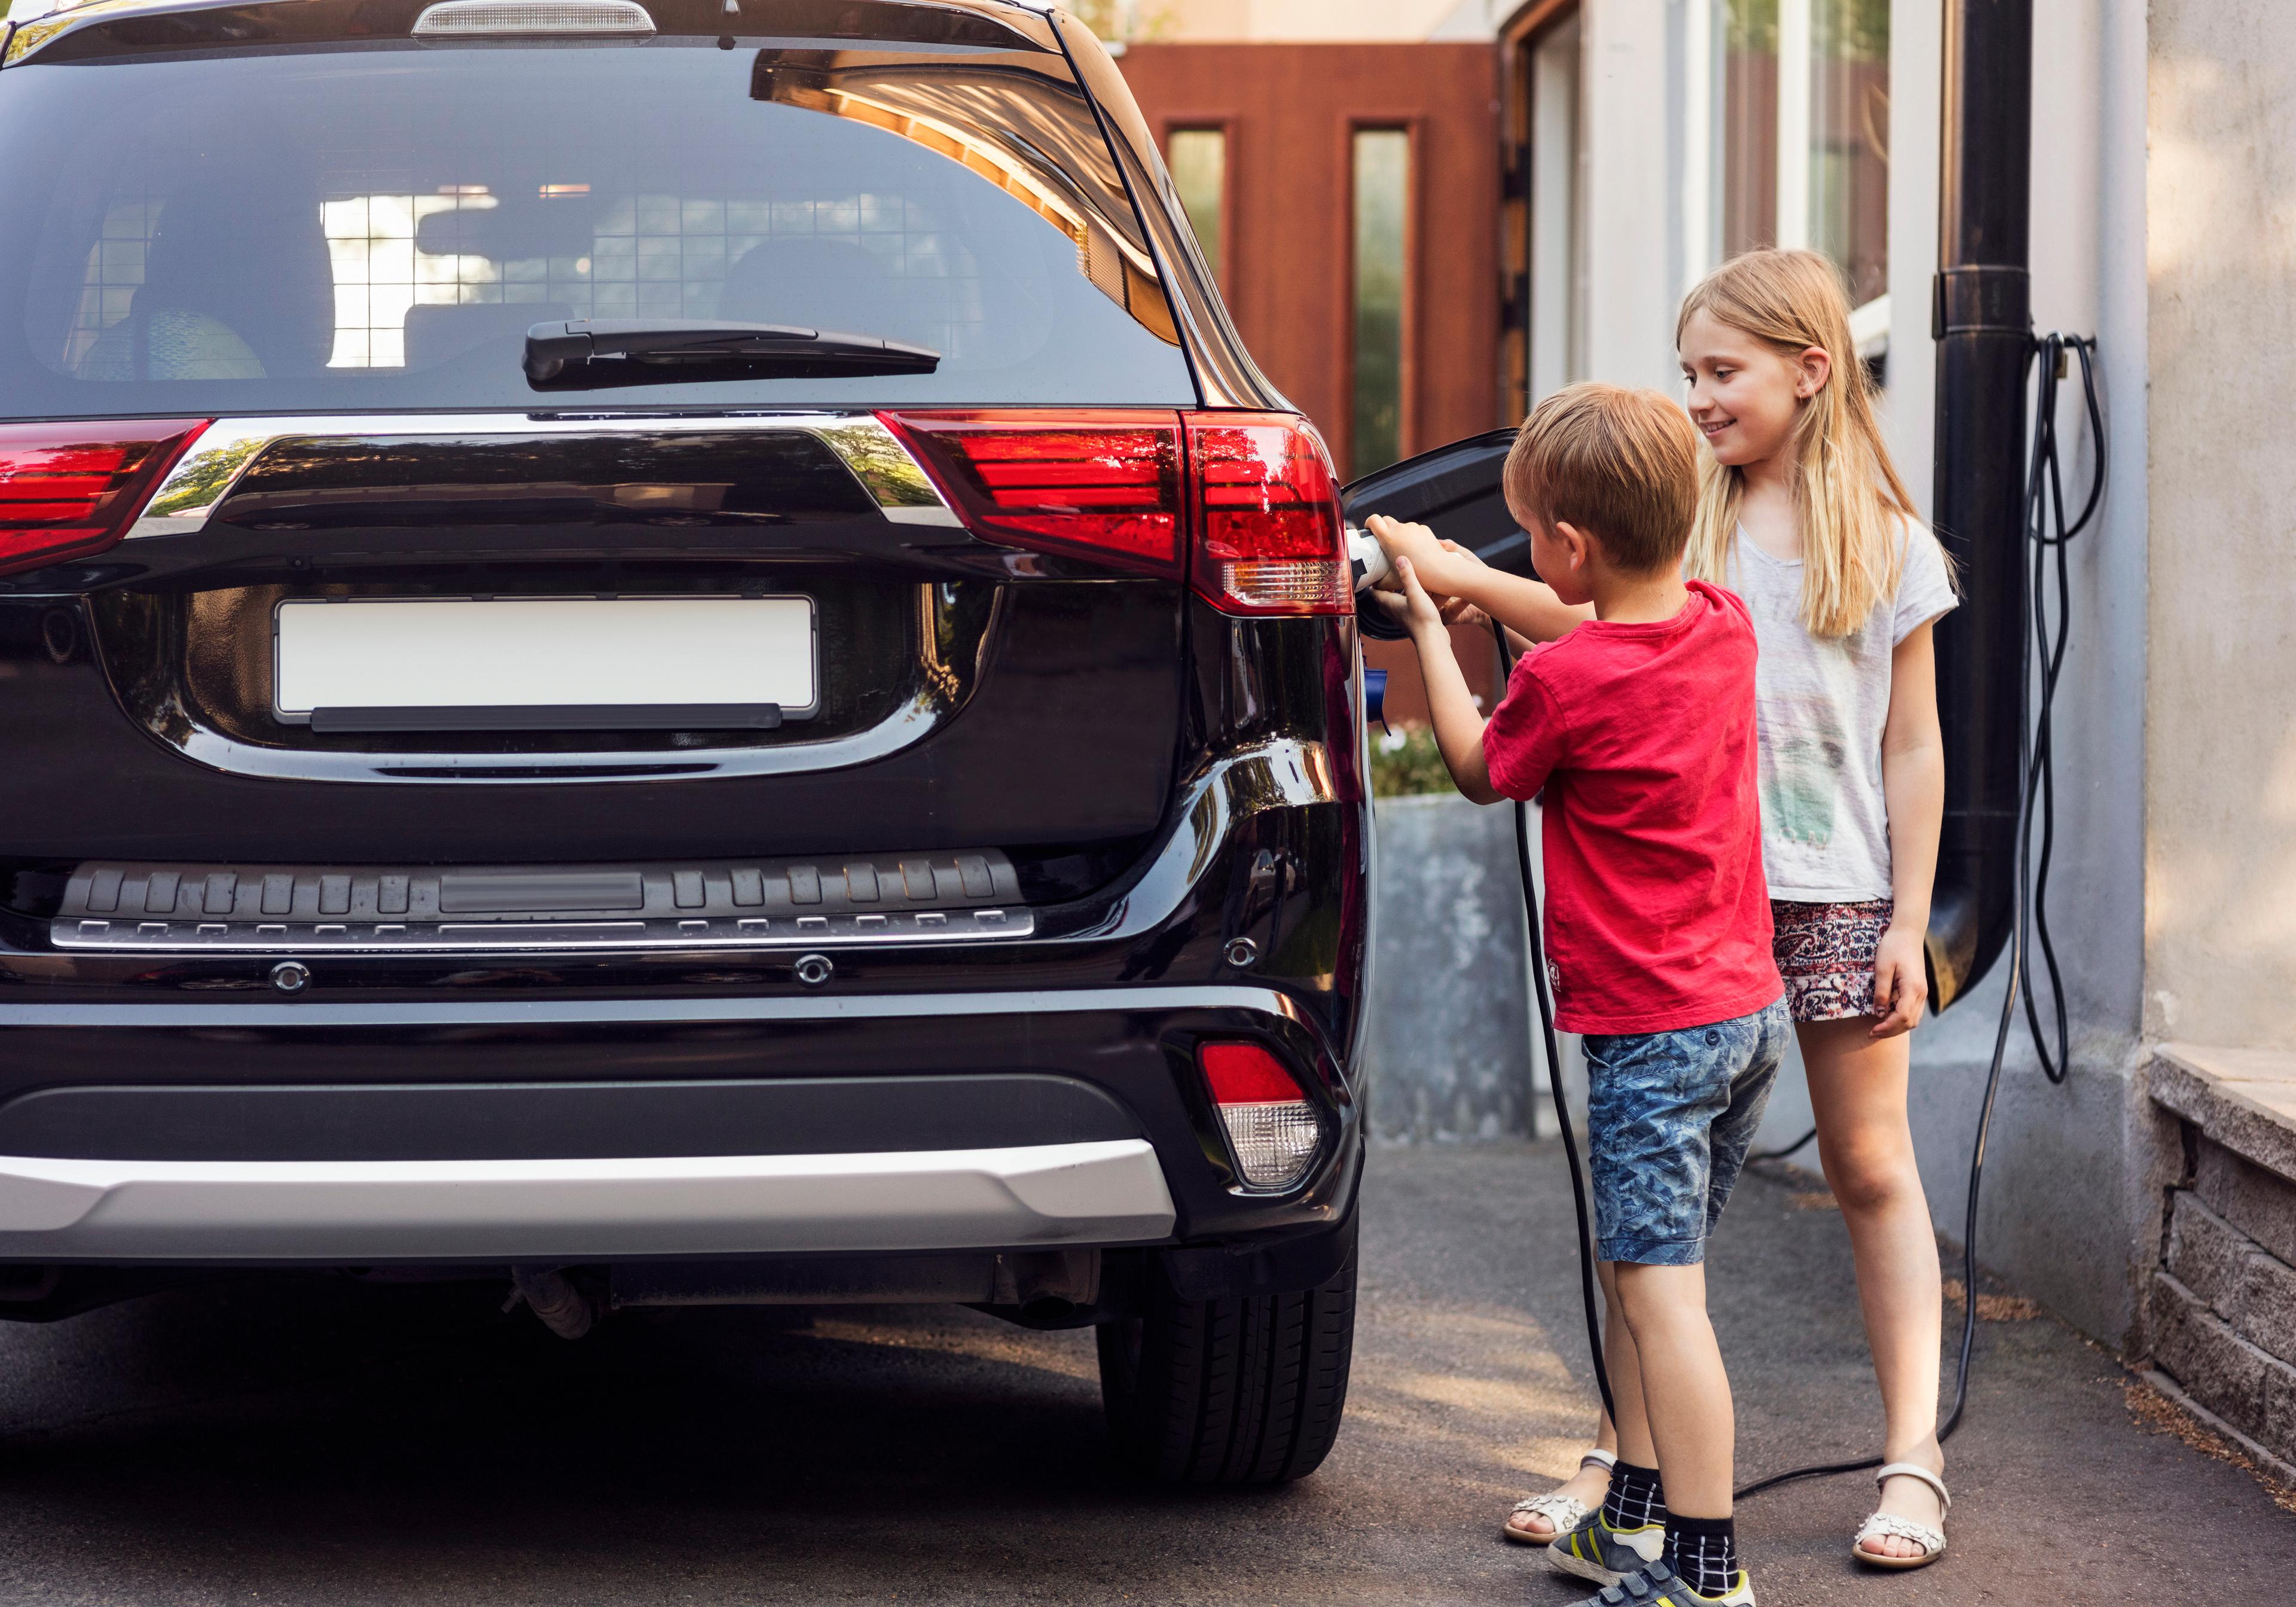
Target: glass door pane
{"type": "Point", "coordinates": [1850, 141]}
{"type": "Point", "coordinates": [1198, 158]}
{"type": "Point", "coordinates": [1382, 193]}
{"type": "Point", "coordinates": [1750, 126]}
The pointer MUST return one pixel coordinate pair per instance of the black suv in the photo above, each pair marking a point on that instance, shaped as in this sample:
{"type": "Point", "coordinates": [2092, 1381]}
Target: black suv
{"type": "Point", "coordinates": [667, 649]}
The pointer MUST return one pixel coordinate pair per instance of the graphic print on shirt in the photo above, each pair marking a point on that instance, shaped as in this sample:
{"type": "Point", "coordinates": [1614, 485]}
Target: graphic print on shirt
{"type": "Point", "coordinates": [1803, 753]}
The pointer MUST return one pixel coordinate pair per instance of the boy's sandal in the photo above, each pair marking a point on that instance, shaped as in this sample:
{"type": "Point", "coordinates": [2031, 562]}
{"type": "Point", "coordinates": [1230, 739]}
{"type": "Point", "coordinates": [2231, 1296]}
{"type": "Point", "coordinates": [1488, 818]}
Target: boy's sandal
{"type": "Point", "coordinates": [1886, 1526]}
{"type": "Point", "coordinates": [1566, 1512]}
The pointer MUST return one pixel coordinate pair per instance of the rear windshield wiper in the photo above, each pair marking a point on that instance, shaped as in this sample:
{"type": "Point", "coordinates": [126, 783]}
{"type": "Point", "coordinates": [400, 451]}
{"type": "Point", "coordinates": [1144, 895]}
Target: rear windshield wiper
{"type": "Point", "coordinates": [594, 353]}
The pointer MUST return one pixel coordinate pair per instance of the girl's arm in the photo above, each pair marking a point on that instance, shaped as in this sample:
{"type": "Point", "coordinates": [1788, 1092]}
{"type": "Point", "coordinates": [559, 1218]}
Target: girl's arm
{"type": "Point", "coordinates": [1450, 706]}
{"type": "Point", "coordinates": [1912, 786]}
{"type": "Point", "coordinates": [1527, 608]}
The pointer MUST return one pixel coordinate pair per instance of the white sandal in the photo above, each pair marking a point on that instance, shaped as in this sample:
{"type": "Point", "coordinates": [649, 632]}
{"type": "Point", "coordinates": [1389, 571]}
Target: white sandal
{"type": "Point", "coordinates": [1566, 1512]}
{"type": "Point", "coordinates": [1884, 1526]}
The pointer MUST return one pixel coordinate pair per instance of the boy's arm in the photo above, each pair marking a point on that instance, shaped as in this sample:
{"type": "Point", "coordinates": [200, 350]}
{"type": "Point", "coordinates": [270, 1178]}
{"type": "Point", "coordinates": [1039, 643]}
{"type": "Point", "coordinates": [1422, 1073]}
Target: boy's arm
{"type": "Point", "coordinates": [1450, 706]}
{"type": "Point", "coordinates": [1529, 608]}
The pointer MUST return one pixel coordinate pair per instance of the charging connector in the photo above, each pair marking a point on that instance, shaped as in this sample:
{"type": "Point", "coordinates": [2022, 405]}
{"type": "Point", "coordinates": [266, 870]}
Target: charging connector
{"type": "Point", "coordinates": [1366, 559]}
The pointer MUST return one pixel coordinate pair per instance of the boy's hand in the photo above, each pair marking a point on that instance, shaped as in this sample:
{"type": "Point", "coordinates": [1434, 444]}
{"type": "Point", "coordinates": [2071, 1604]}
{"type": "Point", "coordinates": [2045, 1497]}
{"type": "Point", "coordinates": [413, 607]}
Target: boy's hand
{"type": "Point", "coordinates": [1901, 985]}
{"type": "Point", "coordinates": [1417, 543]}
{"type": "Point", "coordinates": [1411, 607]}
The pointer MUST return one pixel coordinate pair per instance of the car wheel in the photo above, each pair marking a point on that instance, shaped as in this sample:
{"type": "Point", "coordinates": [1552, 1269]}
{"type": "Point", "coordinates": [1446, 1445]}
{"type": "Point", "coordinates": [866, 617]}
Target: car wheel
{"type": "Point", "coordinates": [1246, 1390]}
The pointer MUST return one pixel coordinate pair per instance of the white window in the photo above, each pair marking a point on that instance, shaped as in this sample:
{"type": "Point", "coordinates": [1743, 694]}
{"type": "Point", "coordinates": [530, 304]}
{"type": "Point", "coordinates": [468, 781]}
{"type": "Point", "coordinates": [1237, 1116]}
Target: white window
{"type": "Point", "coordinates": [1803, 104]}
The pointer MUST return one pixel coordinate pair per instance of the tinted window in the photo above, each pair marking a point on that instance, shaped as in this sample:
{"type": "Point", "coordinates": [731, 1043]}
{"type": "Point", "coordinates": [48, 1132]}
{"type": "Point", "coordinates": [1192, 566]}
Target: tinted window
{"type": "Point", "coordinates": [377, 227]}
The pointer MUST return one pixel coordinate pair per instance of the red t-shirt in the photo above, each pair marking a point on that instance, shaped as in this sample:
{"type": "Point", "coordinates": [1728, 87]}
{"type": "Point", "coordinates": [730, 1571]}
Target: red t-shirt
{"type": "Point", "coordinates": [1642, 735]}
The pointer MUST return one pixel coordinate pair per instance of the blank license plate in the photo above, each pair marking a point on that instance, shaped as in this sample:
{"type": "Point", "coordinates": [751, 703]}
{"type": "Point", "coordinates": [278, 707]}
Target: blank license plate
{"type": "Point", "coordinates": [501, 663]}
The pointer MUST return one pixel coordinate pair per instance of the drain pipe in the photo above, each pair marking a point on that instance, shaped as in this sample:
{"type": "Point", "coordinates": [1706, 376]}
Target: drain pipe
{"type": "Point", "coordinates": [1981, 319]}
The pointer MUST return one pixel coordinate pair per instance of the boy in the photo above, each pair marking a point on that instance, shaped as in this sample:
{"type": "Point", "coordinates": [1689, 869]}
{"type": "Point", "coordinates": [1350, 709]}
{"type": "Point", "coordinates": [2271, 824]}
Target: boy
{"type": "Point", "coordinates": [1639, 727]}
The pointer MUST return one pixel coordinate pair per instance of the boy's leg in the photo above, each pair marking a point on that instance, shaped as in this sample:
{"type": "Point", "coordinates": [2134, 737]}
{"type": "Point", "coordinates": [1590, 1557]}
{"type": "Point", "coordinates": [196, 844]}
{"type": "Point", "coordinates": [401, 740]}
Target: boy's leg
{"type": "Point", "coordinates": [1628, 1532]}
{"type": "Point", "coordinates": [1624, 1367]}
{"type": "Point", "coordinates": [1669, 1117]}
{"type": "Point", "coordinates": [1685, 1390]}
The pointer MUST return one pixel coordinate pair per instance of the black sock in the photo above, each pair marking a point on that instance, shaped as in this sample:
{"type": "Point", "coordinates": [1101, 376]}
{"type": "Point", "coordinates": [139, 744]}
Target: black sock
{"type": "Point", "coordinates": [1635, 1499]}
{"type": "Point", "coordinates": [1704, 1550]}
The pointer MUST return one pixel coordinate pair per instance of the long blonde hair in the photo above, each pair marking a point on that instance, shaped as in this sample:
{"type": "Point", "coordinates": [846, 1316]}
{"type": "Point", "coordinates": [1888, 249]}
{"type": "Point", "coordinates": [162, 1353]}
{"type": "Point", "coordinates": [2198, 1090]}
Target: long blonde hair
{"type": "Point", "coordinates": [1855, 514]}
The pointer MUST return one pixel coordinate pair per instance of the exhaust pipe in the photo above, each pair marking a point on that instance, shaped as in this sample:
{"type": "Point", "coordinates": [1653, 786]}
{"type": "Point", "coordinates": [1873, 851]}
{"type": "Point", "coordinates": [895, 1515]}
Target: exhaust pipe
{"type": "Point", "coordinates": [554, 1298]}
{"type": "Point", "coordinates": [1981, 319]}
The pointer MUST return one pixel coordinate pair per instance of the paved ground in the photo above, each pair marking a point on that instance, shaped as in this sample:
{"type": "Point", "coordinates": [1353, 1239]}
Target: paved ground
{"type": "Point", "coordinates": [331, 1445]}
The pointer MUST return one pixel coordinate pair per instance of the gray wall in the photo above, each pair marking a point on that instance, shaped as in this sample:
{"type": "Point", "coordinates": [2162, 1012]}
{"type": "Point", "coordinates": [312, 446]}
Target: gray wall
{"type": "Point", "coordinates": [1452, 1024]}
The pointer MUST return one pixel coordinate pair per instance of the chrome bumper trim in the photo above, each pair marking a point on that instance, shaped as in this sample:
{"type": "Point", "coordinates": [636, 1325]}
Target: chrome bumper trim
{"type": "Point", "coordinates": [179, 936]}
{"type": "Point", "coordinates": [1110, 1191]}
{"type": "Point", "coordinates": [539, 1010]}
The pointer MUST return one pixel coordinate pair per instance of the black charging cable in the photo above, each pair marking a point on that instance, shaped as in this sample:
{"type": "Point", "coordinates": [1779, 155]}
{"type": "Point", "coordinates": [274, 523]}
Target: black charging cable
{"type": "Point", "coordinates": [2049, 534]}
{"type": "Point", "coordinates": [1586, 1289]}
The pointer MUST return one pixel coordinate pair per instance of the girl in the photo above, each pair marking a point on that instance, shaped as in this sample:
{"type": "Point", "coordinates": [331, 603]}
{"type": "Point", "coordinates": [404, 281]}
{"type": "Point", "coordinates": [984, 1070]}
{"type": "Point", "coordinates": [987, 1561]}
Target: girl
{"type": "Point", "coordinates": [1803, 515]}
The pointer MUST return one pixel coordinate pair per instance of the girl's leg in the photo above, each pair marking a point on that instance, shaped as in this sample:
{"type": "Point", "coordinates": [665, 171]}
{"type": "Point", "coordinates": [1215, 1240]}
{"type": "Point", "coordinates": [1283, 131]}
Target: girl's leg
{"type": "Point", "coordinates": [1587, 1486]}
{"type": "Point", "coordinates": [1591, 1484]}
{"type": "Point", "coordinates": [1857, 1090]}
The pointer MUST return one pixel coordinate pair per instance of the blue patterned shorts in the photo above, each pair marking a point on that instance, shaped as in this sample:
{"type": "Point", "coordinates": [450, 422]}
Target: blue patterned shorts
{"type": "Point", "coordinates": [1669, 1117]}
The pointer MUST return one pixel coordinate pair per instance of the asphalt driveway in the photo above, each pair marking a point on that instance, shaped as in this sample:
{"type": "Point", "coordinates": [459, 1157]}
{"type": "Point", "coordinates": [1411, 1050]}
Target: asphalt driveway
{"type": "Point", "coordinates": [334, 1444]}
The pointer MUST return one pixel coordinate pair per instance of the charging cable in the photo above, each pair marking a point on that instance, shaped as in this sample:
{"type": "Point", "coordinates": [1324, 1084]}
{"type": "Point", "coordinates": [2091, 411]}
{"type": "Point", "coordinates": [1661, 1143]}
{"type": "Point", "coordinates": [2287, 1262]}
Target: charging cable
{"type": "Point", "coordinates": [2049, 534]}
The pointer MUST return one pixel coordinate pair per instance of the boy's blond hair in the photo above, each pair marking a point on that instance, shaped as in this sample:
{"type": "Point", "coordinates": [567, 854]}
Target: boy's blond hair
{"type": "Point", "coordinates": [1620, 464]}
{"type": "Point", "coordinates": [1853, 509]}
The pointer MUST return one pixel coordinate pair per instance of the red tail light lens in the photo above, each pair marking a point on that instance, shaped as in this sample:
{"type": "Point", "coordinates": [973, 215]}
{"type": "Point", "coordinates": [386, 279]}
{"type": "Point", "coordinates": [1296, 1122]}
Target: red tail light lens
{"type": "Point", "coordinates": [1268, 539]}
{"type": "Point", "coordinates": [69, 490]}
{"type": "Point", "coordinates": [1270, 1125]}
{"type": "Point", "coordinates": [1103, 485]}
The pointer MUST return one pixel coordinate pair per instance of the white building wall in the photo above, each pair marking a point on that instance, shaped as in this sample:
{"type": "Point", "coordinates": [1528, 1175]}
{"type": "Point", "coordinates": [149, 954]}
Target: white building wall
{"type": "Point", "coordinates": [2221, 894]}
{"type": "Point", "coordinates": [1632, 198]}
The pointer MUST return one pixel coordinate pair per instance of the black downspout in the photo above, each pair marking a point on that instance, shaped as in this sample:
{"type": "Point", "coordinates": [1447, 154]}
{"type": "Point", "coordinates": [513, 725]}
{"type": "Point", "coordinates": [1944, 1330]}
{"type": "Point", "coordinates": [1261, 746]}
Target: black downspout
{"type": "Point", "coordinates": [1982, 318]}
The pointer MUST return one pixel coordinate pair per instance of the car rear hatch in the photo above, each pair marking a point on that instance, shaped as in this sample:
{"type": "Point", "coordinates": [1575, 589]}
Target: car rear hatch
{"type": "Point", "coordinates": [309, 573]}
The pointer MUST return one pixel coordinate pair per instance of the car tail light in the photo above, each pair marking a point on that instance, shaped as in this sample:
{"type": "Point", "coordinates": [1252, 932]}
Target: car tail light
{"type": "Point", "coordinates": [1268, 535]}
{"type": "Point", "coordinates": [69, 490]}
{"type": "Point", "coordinates": [1107, 485]}
{"type": "Point", "coordinates": [1103, 485]}
{"type": "Point", "coordinates": [1270, 1125]}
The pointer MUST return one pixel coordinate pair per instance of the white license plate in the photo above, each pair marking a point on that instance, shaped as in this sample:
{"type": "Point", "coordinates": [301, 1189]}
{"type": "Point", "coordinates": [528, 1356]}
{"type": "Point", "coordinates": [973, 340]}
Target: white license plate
{"type": "Point", "coordinates": [496, 657]}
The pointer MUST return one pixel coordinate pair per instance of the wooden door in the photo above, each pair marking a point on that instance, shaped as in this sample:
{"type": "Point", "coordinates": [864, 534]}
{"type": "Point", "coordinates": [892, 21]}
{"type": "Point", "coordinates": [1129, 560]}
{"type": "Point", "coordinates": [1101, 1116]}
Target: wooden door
{"type": "Point", "coordinates": [1295, 129]}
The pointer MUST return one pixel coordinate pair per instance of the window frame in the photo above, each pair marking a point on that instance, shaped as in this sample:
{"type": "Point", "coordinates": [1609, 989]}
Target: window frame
{"type": "Point", "coordinates": [1795, 116]}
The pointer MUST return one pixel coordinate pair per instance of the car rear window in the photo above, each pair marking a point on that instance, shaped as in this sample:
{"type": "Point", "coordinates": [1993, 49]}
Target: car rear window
{"type": "Point", "coordinates": [362, 227]}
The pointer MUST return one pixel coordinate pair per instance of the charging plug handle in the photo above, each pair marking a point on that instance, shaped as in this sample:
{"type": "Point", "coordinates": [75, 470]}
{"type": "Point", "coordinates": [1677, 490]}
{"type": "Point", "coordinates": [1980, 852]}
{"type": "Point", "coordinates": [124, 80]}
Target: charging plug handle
{"type": "Point", "coordinates": [1366, 559]}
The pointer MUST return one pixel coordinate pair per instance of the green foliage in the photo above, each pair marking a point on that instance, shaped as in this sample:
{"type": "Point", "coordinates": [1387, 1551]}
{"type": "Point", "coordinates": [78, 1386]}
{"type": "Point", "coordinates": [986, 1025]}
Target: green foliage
{"type": "Point", "coordinates": [1407, 763]}
{"type": "Point", "coordinates": [1130, 21]}
{"type": "Point", "coordinates": [1852, 31]}
{"type": "Point", "coordinates": [1753, 26]}
{"type": "Point", "coordinates": [1849, 30]}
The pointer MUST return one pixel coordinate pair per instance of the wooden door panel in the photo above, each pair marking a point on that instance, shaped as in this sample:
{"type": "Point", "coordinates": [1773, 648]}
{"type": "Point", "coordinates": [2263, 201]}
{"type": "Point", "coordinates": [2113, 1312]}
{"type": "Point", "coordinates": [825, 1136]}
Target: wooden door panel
{"type": "Point", "coordinates": [1290, 112]}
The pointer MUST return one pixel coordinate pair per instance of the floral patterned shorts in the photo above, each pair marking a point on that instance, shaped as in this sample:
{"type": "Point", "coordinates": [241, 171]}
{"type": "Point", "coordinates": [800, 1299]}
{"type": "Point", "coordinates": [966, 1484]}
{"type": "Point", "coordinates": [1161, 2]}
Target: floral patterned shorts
{"type": "Point", "coordinates": [1826, 954]}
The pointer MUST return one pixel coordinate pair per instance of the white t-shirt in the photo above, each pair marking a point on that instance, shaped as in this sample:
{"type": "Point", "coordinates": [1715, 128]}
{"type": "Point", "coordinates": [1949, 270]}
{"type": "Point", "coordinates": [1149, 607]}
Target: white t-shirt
{"type": "Point", "coordinates": [1820, 708]}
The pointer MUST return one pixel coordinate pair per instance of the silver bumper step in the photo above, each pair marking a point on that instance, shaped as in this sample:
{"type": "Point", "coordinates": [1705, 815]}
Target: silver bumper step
{"type": "Point", "coordinates": [1110, 1191]}
{"type": "Point", "coordinates": [435, 937]}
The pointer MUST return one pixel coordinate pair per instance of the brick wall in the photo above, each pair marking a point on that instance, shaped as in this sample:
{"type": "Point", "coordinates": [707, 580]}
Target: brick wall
{"type": "Point", "coordinates": [2223, 1310]}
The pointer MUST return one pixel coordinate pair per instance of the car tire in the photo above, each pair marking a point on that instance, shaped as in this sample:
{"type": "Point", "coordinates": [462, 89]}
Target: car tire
{"type": "Point", "coordinates": [1244, 1390]}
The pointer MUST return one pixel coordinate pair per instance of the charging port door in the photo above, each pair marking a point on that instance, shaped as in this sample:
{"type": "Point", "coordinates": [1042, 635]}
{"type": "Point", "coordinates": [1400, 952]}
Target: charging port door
{"type": "Point", "coordinates": [1457, 492]}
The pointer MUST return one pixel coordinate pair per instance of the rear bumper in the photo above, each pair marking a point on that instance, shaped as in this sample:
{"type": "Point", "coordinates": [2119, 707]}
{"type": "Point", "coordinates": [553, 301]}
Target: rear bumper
{"type": "Point", "coordinates": [1097, 1193]}
{"type": "Point", "coordinates": [573, 1130]}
